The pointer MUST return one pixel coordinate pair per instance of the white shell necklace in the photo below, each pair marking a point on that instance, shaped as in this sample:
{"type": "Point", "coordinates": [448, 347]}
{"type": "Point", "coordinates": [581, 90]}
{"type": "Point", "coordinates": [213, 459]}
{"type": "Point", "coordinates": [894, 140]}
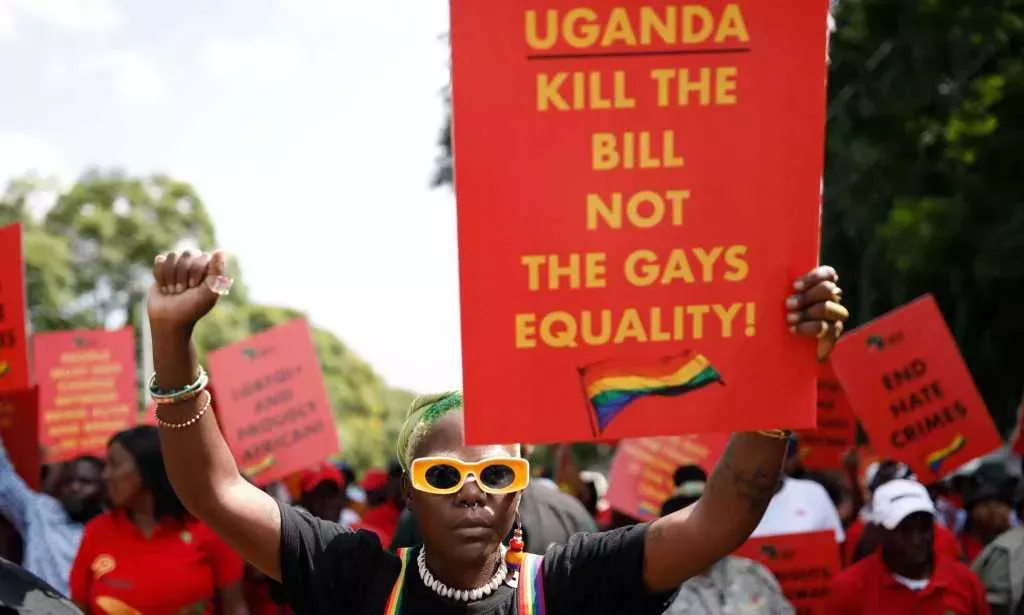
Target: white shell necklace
{"type": "Point", "coordinates": [462, 595]}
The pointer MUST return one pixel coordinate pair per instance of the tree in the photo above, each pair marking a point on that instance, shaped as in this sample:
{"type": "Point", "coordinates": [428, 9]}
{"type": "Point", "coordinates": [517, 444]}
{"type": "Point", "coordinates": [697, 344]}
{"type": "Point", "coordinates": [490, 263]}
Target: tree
{"type": "Point", "coordinates": [921, 194]}
{"type": "Point", "coordinates": [367, 412]}
{"type": "Point", "coordinates": [922, 182]}
{"type": "Point", "coordinates": [88, 262]}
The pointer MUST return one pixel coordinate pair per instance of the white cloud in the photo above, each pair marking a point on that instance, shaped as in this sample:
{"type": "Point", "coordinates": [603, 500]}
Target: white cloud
{"type": "Point", "coordinates": [135, 78]}
{"type": "Point", "coordinates": [22, 154]}
{"type": "Point", "coordinates": [97, 16]}
{"type": "Point", "coordinates": [249, 59]}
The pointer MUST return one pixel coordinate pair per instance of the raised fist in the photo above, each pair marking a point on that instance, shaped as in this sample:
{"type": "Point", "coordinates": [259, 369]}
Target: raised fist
{"type": "Point", "coordinates": [188, 285]}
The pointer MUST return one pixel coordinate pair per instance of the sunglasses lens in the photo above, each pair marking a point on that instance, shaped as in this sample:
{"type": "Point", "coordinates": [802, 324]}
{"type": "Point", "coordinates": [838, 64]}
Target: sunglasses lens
{"type": "Point", "coordinates": [498, 476]}
{"type": "Point", "coordinates": [443, 476]}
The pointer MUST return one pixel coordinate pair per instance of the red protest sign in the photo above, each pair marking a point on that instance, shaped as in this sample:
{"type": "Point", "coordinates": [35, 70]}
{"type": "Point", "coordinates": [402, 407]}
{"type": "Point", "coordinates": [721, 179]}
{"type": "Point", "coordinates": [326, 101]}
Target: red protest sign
{"type": "Point", "coordinates": [822, 448]}
{"type": "Point", "coordinates": [640, 479]}
{"type": "Point", "coordinates": [19, 428]}
{"type": "Point", "coordinates": [14, 373]}
{"type": "Point", "coordinates": [87, 389]}
{"type": "Point", "coordinates": [149, 414]}
{"type": "Point", "coordinates": [272, 404]}
{"type": "Point", "coordinates": [629, 223]}
{"type": "Point", "coordinates": [804, 564]}
{"type": "Point", "coordinates": [909, 386]}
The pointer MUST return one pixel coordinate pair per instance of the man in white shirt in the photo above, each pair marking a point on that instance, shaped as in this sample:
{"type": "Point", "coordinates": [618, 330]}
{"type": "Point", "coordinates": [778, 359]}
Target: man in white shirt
{"type": "Point", "coordinates": [800, 506]}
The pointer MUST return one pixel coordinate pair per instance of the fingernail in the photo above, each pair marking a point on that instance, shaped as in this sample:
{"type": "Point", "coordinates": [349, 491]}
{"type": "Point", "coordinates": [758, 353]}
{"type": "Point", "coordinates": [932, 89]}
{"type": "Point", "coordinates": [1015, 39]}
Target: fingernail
{"type": "Point", "coordinates": [179, 288]}
{"type": "Point", "coordinates": [220, 284]}
{"type": "Point", "coordinates": [792, 302]}
{"type": "Point", "coordinates": [792, 318]}
{"type": "Point", "coordinates": [799, 285]}
{"type": "Point", "coordinates": [163, 290]}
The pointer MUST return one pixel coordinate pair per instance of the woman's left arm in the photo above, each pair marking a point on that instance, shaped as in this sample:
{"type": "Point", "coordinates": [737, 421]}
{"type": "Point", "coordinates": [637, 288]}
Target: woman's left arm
{"type": "Point", "coordinates": [686, 543]}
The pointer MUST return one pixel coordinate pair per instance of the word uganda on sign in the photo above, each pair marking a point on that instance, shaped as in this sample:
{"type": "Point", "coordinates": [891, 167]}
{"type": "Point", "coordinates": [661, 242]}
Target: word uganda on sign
{"type": "Point", "coordinates": [87, 390]}
{"type": "Point", "coordinates": [804, 564]}
{"type": "Point", "coordinates": [909, 386]}
{"type": "Point", "coordinates": [823, 447]}
{"type": "Point", "coordinates": [642, 470]}
{"type": "Point", "coordinates": [14, 371]}
{"type": "Point", "coordinates": [638, 186]}
{"type": "Point", "coordinates": [271, 402]}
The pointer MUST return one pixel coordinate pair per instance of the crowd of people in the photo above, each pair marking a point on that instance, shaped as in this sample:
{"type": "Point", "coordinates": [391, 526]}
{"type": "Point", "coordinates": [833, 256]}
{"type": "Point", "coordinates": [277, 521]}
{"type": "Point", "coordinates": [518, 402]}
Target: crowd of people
{"type": "Point", "coordinates": [165, 523]}
{"type": "Point", "coordinates": [904, 546]}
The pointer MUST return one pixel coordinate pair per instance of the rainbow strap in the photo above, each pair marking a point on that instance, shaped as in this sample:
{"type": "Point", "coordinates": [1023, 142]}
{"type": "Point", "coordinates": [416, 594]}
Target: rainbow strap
{"type": "Point", "coordinates": [394, 605]}
{"type": "Point", "coordinates": [531, 586]}
{"type": "Point", "coordinates": [529, 598]}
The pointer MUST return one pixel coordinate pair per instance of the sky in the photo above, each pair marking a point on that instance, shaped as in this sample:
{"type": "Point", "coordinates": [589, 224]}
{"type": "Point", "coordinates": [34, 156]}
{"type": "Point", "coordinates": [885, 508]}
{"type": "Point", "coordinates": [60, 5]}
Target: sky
{"type": "Point", "coordinates": [308, 127]}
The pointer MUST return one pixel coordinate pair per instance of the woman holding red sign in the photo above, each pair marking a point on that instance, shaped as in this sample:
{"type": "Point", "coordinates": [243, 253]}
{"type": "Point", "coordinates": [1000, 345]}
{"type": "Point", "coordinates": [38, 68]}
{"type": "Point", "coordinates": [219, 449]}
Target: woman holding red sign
{"type": "Point", "coordinates": [465, 497]}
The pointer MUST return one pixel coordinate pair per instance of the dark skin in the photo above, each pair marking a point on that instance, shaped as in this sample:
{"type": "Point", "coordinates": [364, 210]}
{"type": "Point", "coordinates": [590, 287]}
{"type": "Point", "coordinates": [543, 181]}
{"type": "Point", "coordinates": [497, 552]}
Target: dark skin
{"type": "Point", "coordinates": [324, 501]}
{"type": "Point", "coordinates": [677, 547]}
{"type": "Point", "coordinates": [81, 491]}
{"type": "Point", "coordinates": [462, 531]}
{"type": "Point", "coordinates": [909, 549]}
{"type": "Point", "coordinates": [989, 519]}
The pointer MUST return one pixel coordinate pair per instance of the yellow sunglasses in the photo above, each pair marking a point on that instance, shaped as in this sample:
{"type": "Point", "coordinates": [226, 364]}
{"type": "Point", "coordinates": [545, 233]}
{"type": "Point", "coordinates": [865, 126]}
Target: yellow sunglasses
{"type": "Point", "coordinates": [447, 475]}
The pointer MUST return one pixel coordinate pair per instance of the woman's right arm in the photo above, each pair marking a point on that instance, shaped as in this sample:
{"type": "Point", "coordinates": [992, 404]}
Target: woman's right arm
{"type": "Point", "coordinates": [199, 463]}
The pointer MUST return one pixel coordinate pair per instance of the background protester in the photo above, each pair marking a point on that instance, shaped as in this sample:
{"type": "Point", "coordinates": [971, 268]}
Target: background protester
{"type": "Point", "coordinates": [354, 500]}
{"type": "Point", "coordinates": [148, 555]}
{"type": "Point", "coordinates": [840, 494]}
{"type": "Point", "coordinates": [865, 535]}
{"type": "Point", "coordinates": [1001, 569]}
{"type": "Point", "coordinates": [989, 514]}
{"type": "Point", "coordinates": [733, 584]}
{"type": "Point", "coordinates": [51, 526]}
{"type": "Point", "coordinates": [907, 574]}
{"type": "Point", "coordinates": [799, 506]}
{"type": "Point", "coordinates": [322, 492]}
{"type": "Point", "coordinates": [381, 511]}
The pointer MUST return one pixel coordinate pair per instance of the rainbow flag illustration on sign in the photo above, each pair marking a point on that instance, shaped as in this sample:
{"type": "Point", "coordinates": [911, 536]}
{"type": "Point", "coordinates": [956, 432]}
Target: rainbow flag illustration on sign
{"type": "Point", "coordinates": [611, 385]}
{"type": "Point", "coordinates": [935, 459]}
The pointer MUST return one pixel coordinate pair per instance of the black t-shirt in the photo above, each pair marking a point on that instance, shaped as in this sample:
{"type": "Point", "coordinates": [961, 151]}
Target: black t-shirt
{"type": "Point", "coordinates": [330, 569]}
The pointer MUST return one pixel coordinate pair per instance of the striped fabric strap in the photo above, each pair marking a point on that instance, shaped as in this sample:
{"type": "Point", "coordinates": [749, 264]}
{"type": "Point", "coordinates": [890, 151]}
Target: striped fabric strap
{"type": "Point", "coordinates": [531, 586]}
{"type": "Point", "coordinates": [394, 606]}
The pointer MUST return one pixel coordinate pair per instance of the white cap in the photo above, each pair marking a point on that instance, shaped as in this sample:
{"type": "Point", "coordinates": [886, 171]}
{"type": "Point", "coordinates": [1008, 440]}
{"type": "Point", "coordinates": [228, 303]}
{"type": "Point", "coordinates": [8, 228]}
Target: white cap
{"type": "Point", "coordinates": [898, 499]}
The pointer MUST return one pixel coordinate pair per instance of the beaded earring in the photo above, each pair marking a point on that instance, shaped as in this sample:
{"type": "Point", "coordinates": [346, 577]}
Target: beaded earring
{"type": "Point", "coordinates": [514, 556]}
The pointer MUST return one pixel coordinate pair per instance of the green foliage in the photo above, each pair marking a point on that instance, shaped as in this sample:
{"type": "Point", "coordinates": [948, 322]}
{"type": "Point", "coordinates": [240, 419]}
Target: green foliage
{"type": "Point", "coordinates": [923, 189]}
{"type": "Point", "coordinates": [88, 264]}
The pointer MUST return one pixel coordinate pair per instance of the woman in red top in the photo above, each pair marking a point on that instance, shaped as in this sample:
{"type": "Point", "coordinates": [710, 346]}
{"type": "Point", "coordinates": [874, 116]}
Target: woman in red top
{"type": "Point", "coordinates": [148, 556]}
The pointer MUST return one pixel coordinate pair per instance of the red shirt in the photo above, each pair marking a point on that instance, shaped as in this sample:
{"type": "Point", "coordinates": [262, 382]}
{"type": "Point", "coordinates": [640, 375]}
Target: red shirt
{"type": "Point", "coordinates": [945, 542]}
{"type": "Point", "coordinates": [868, 588]}
{"type": "Point", "coordinates": [383, 517]}
{"type": "Point", "coordinates": [972, 546]}
{"type": "Point", "coordinates": [182, 565]}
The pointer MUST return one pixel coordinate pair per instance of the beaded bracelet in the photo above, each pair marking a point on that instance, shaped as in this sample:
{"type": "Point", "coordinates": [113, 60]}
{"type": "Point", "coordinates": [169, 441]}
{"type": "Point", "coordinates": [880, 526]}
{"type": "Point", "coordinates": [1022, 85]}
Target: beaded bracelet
{"type": "Point", "coordinates": [191, 421]}
{"type": "Point", "coordinates": [191, 391]}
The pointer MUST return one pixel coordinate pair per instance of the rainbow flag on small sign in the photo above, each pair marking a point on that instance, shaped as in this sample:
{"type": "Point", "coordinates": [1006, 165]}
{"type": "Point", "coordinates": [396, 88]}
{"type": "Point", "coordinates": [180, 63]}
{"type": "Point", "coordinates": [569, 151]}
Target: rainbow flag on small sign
{"type": "Point", "coordinates": [611, 385]}
{"type": "Point", "coordinates": [935, 459]}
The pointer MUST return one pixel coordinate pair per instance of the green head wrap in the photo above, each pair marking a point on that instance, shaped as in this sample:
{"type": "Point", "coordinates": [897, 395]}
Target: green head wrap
{"type": "Point", "coordinates": [424, 412]}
